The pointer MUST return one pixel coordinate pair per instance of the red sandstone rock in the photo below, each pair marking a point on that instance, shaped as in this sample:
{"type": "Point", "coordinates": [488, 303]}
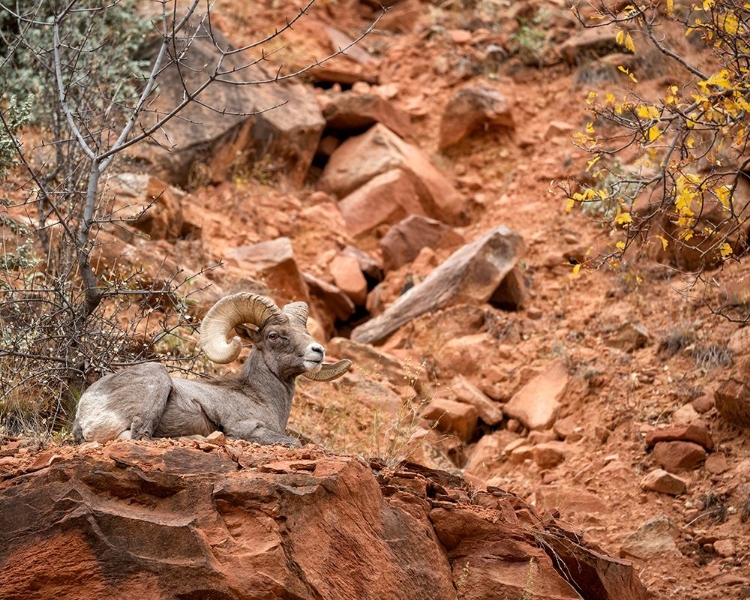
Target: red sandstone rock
{"type": "Point", "coordinates": [361, 158]}
{"type": "Point", "coordinates": [274, 264]}
{"type": "Point", "coordinates": [349, 278]}
{"type": "Point", "coordinates": [452, 417]}
{"type": "Point", "coordinates": [537, 403]}
{"type": "Point", "coordinates": [236, 521]}
{"type": "Point", "coordinates": [679, 456]}
{"type": "Point", "coordinates": [548, 455]}
{"type": "Point", "coordinates": [402, 243]}
{"type": "Point", "coordinates": [471, 109]}
{"type": "Point", "coordinates": [488, 410]}
{"type": "Point", "coordinates": [733, 401]}
{"type": "Point", "coordinates": [471, 274]}
{"type": "Point", "coordinates": [663, 482]}
{"type": "Point", "coordinates": [682, 433]}
{"type": "Point", "coordinates": [353, 112]}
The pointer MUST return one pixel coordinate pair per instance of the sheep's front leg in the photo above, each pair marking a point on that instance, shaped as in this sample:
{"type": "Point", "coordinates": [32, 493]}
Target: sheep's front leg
{"type": "Point", "coordinates": [253, 430]}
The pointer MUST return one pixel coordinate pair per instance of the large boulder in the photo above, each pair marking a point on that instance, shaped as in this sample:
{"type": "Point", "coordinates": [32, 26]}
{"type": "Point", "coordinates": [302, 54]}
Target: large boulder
{"type": "Point", "coordinates": [361, 158]}
{"type": "Point", "coordinates": [348, 112]}
{"type": "Point", "coordinates": [472, 274]}
{"type": "Point", "coordinates": [220, 518]}
{"type": "Point", "coordinates": [277, 122]}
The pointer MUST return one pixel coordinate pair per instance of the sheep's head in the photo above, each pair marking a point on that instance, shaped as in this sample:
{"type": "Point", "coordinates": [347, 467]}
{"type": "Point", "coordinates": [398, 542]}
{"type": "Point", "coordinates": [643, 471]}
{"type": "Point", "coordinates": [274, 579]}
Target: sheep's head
{"type": "Point", "coordinates": [281, 336]}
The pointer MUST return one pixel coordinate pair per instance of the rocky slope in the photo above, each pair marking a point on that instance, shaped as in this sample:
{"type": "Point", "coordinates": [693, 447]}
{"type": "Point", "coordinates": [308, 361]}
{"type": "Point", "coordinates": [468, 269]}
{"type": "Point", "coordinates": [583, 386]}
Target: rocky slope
{"type": "Point", "coordinates": [215, 519]}
{"type": "Point", "coordinates": [424, 234]}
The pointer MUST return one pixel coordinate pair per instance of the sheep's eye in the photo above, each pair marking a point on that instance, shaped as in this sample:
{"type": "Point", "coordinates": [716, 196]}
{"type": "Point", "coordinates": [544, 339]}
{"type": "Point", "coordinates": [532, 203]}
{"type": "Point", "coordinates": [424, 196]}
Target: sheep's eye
{"type": "Point", "coordinates": [273, 336]}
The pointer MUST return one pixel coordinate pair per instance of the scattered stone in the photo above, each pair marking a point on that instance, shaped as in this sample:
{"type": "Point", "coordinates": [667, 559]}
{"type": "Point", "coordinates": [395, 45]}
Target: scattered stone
{"type": "Point", "coordinates": [725, 548]}
{"type": "Point", "coordinates": [349, 278]}
{"type": "Point", "coordinates": [471, 109]}
{"type": "Point", "coordinates": [566, 428]}
{"type": "Point", "coordinates": [469, 275]}
{"type": "Point", "coordinates": [521, 454]}
{"type": "Point", "coordinates": [733, 401]}
{"type": "Point", "coordinates": [402, 243]}
{"type": "Point", "coordinates": [534, 313]}
{"type": "Point", "coordinates": [537, 403]}
{"type": "Point", "coordinates": [42, 461]}
{"type": "Point", "coordinates": [549, 454]}
{"type": "Point", "coordinates": [601, 434]}
{"type": "Point", "coordinates": [682, 433]}
{"type": "Point", "coordinates": [704, 403]}
{"type": "Point", "coordinates": [685, 414]}
{"type": "Point", "coordinates": [360, 159]}
{"type": "Point", "coordinates": [716, 463]}
{"type": "Point", "coordinates": [629, 337]}
{"type": "Point", "coordinates": [654, 538]}
{"type": "Point", "coordinates": [371, 267]}
{"type": "Point", "coordinates": [274, 264]}
{"type": "Point", "coordinates": [452, 417]}
{"type": "Point", "coordinates": [660, 481]}
{"type": "Point", "coordinates": [514, 425]}
{"type": "Point", "coordinates": [465, 354]}
{"type": "Point", "coordinates": [541, 437]}
{"type": "Point", "coordinates": [488, 410]}
{"type": "Point", "coordinates": [679, 456]}
{"type": "Point", "coordinates": [217, 437]}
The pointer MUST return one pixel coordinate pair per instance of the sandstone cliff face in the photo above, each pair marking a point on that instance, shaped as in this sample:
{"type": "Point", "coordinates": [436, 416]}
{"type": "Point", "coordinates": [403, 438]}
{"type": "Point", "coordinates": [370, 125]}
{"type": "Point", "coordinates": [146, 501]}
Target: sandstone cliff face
{"type": "Point", "coordinates": [190, 520]}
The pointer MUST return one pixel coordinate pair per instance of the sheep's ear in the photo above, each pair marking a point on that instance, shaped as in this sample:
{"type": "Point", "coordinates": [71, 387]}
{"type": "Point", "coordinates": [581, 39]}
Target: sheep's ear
{"type": "Point", "coordinates": [331, 371]}
{"type": "Point", "coordinates": [248, 334]}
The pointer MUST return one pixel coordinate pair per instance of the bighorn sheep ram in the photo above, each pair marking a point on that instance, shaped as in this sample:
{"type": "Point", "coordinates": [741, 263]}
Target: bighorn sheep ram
{"type": "Point", "coordinates": [144, 401]}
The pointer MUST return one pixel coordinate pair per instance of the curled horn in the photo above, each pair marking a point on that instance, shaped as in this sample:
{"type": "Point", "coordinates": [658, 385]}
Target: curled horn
{"type": "Point", "coordinates": [331, 371]}
{"type": "Point", "coordinates": [244, 307]}
{"type": "Point", "coordinates": [297, 311]}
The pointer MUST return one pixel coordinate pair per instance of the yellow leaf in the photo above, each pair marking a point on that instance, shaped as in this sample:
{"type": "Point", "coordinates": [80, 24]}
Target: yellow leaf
{"type": "Point", "coordinates": [653, 133]}
{"type": "Point", "coordinates": [609, 99]}
{"type": "Point", "coordinates": [722, 193]}
{"type": "Point", "coordinates": [670, 7]}
{"type": "Point", "coordinates": [623, 218]}
{"type": "Point", "coordinates": [620, 36]}
{"type": "Point", "coordinates": [647, 112]}
{"type": "Point", "coordinates": [569, 205]}
{"type": "Point", "coordinates": [708, 4]}
{"type": "Point", "coordinates": [592, 162]}
{"type": "Point", "coordinates": [664, 242]}
{"type": "Point", "coordinates": [725, 249]}
{"type": "Point", "coordinates": [620, 246]}
{"type": "Point", "coordinates": [591, 97]}
{"type": "Point", "coordinates": [629, 43]}
{"type": "Point", "coordinates": [576, 269]}
{"type": "Point", "coordinates": [589, 128]}
{"type": "Point", "coordinates": [690, 143]}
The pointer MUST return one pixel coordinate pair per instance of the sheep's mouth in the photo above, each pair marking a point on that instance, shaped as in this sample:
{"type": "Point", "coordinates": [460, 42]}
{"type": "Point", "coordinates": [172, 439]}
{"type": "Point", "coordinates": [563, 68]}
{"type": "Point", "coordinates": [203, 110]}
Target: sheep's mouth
{"type": "Point", "coordinates": [313, 365]}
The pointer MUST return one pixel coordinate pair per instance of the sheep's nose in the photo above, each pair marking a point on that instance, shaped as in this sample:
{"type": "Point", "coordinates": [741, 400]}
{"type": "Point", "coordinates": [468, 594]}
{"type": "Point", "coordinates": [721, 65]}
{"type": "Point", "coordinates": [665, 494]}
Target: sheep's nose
{"type": "Point", "coordinates": [318, 349]}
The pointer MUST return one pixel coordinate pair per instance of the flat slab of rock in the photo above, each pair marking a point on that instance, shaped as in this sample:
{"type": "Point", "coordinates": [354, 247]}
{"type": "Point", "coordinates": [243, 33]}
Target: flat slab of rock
{"type": "Point", "coordinates": [682, 433]}
{"type": "Point", "coordinates": [663, 482]}
{"type": "Point", "coordinates": [336, 301]}
{"type": "Point", "coordinates": [349, 278]}
{"type": "Point", "coordinates": [469, 275]}
{"type": "Point", "coordinates": [360, 159]}
{"type": "Point", "coordinates": [537, 403]}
